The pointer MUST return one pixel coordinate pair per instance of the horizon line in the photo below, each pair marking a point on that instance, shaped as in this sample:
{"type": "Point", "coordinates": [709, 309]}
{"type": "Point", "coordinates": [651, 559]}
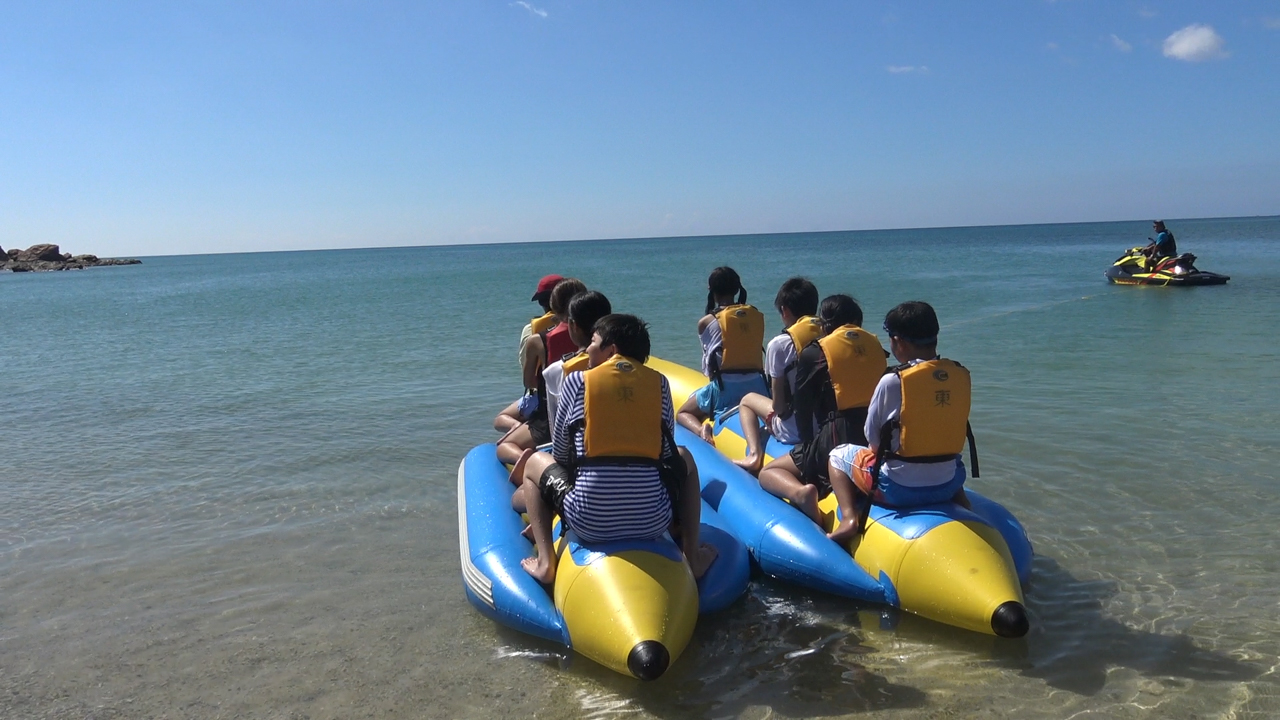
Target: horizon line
{"type": "Point", "coordinates": [704, 236]}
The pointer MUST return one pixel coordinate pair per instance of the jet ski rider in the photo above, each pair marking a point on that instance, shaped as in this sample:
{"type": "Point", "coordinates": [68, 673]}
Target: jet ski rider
{"type": "Point", "coordinates": [1164, 246]}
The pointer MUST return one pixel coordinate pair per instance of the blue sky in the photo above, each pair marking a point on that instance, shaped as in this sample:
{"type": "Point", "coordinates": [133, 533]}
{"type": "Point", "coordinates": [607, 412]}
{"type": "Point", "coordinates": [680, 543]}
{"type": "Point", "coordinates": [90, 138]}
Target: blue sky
{"type": "Point", "coordinates": [170, 128]}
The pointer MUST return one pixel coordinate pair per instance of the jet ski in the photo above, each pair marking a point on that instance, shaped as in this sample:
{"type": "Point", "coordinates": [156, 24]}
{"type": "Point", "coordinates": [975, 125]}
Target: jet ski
{"type": "Point", "coordinates": [1135, 268]}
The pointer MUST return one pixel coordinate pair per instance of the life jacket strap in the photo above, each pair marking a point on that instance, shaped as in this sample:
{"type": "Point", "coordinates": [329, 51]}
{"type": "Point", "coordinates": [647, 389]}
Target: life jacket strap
{"type": "Point", "coordinates": [926, 459]}
{"type": "Point", "coordinates": [617, 460]}
{"type": "Point", "coordinates": [667, 465]}
{"type": "Point", "coordinates": [973, 448]}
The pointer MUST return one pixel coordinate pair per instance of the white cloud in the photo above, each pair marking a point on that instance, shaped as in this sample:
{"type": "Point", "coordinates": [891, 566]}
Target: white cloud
{"type": "Point", "coordinates": [899, 69]}
{"type": "Point", "coordinates": [1147, 12]}
{"type": "Point", "coordinates": [1272, 22]}
{"type": "Point", "coordinates": [1119, 44]}
{"type": "Point", "coordinates": [1051, 47]}
{"type": "Point", "coordinates": [534, 10]}
{"type": "Point", "coordinates": [1195, 43]}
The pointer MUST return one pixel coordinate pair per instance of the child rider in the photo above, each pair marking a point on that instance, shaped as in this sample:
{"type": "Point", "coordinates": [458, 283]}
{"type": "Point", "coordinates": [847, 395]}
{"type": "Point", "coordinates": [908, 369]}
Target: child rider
{"type": "Point", "coordinates": [732, 335]}
{"type": "Point", "coordinates": [916, 426]}
{"type": "Point", "coordinates": [603, 477]}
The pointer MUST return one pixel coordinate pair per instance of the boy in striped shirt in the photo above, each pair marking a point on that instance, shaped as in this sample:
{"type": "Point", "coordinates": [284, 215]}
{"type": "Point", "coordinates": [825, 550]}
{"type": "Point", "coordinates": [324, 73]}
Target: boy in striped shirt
{"type": "Point", "coordinates": [625, 498]}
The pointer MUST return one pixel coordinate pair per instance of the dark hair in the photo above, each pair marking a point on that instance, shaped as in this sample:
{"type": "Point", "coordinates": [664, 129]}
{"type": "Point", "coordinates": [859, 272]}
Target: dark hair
{"type": "Point", "coordinates": [838, 310]}
{"type": "Point", "coordinates": [724, 281]}
{"type": "Point", "coordinates": [587, 307]}
{"type": "Point", "coordinates": [797, 295]}
{"type": "Point", "coordinates": [628, 332]}
{"type": "Point", "coordinates": [914, 322]}
{"type": "Point", "coordinates": [563, 292]}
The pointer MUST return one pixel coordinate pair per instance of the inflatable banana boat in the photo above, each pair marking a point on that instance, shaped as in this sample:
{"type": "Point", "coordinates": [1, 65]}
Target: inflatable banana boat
{"type": "Point", "coordinates": [961, 567]}
{"type": "Point", "coordinates": [630, 606]}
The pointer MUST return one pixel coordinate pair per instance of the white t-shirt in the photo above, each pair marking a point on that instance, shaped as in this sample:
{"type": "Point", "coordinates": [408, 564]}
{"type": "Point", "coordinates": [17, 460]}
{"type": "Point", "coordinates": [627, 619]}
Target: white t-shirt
{"type": "Point", "coordinates": [552, 378]}
{"type": "Point", "coordinates": [886, 405]}
{"type": "Point", "coordinates": [525, 334]}
{"type": "Point", "coordinates": [780, 355]}
{"type": "Point", "coordinates": [711, 341]}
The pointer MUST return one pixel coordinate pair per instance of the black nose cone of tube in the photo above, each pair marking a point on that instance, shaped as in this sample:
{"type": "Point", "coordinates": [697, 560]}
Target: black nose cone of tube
{"type": "Point", "coordinates": [1010, 620]}
{"type": "Point", "coordinates": [648, 660]}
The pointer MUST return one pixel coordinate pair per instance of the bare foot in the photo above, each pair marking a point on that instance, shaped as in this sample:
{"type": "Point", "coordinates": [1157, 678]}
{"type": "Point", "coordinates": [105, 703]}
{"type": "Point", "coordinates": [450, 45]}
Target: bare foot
{"type": "Point", "coordinates": [701, 559]}
{"type": "Point", "coordinates": [848, 529]}
{"type": "Point", "coordinates": [751, 463]}
{"type": "Point", "coordinates": [541, 570]}
{"type": "Point", "coordinates": [517, 471]}
{"type": "Point", "coordinates": [527, 533]}
{"type": "Point", "coordinates": [708, 435]}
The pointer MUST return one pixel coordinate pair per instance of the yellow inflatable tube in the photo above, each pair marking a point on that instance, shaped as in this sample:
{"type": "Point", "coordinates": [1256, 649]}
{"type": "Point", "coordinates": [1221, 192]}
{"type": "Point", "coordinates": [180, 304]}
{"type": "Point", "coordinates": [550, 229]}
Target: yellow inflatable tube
{"type": "Point", "coordinates": [630, 610]}
{"type": "Point", "coordinates": [946, 564]}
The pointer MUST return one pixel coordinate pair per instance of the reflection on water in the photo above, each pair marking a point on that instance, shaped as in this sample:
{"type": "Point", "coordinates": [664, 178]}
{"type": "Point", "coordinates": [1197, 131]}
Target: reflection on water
{"type": "Point", "coordinates": [765, 652]}
{"type": "Point", "coordinates": [1075, 644]}
{"type": "Point", "coordinates": [782, 653]}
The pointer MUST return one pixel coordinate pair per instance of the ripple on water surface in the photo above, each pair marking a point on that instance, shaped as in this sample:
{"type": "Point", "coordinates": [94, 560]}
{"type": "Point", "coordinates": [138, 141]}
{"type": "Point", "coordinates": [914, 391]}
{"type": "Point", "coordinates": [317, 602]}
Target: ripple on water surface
{"type": "Point", "coordinates": [229, 483]}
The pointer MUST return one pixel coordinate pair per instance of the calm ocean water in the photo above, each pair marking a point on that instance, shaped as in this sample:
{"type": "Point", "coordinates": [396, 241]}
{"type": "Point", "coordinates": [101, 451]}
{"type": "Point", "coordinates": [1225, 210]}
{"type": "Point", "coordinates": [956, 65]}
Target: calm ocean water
{"type": "Point", "coordinates": [228, 482]}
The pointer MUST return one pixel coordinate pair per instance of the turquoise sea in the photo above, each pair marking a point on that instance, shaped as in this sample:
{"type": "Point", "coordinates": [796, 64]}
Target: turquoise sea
{"type": "Point", "coordinates": [228, 482]}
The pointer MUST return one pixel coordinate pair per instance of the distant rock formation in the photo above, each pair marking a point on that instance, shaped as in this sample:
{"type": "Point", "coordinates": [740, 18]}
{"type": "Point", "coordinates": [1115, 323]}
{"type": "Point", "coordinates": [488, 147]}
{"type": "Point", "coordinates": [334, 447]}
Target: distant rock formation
{"type": "Point", "coordinates": [40, 258]}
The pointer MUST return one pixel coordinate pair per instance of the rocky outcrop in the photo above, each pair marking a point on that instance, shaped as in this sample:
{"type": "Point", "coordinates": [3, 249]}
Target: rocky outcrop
{"type": "Point", "coordinates": [45, 257]}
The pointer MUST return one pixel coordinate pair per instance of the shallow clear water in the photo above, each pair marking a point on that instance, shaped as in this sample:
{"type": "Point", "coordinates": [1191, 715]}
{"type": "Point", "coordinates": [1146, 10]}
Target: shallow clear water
{"type": "Point", "coordinates": [228, 482]}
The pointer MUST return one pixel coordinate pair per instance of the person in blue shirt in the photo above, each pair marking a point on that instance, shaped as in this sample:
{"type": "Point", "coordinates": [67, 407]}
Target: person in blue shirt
{"type": "Point", "coordinates": [1163, 246]}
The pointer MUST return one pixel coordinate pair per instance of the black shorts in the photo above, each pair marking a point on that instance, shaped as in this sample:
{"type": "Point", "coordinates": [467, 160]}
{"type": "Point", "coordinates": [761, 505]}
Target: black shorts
{"type": "Point", "coordinates": [672, 471]}
{"type": "Point", "coordinates": [555, 483]}
{"type": "Point", "coordinates": [811, 459]}
{"type": "Point", "coordinates": [539, 430]}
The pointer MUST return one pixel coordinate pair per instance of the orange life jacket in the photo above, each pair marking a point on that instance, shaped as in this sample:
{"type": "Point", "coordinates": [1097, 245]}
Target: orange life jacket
{"type": "Point", "coordinates": [855, 362]}
{"type": "Point", "coordinates": [741, 339]}
{"type": "Point", "coordinates": [622, 409]}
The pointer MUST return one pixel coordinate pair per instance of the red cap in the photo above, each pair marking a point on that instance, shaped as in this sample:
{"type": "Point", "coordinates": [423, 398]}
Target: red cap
{"type": "Point", "coordinates": [545, 285]}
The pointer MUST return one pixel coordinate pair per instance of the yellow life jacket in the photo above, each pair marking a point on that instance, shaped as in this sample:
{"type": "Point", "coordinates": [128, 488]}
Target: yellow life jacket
{"type": "Point", "coordinates": [935, 410]}
{"type": "Point", "coordinates": [855, 362]}
{"type": "Point", "coordinates": [543, 323]}
{"type": "Point", "coordinates": [804, 331]}
{"type": "Point", "coordinates": [577, 363]}
{"type": "Point", "coordinates": [622, 406]}
{"type": "Point", "coordinates": [742, 338]}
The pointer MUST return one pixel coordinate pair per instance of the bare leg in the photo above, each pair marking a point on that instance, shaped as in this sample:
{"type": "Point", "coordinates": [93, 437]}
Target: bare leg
{"type": "Point", "coordinates": [513, 445]}
{"type": "Point", "coordinates": [782, 478]}
{"type": "Point", "coordinates": [693, 419]}
{"type": "Point", "coordinates": [543, 567]}
{"type": "Point", "coordinates": [848, 496]}
{"type": "Point", "coordinates": [753, 407]}
{"type": "Point", "coordinates": [698, 555]}
{"type": "Point", "coordinates": [534, 463]}
{"type": "Point", "coordinates": [516, 476]}
{"type": "Point", "coordinates": [508, 418]}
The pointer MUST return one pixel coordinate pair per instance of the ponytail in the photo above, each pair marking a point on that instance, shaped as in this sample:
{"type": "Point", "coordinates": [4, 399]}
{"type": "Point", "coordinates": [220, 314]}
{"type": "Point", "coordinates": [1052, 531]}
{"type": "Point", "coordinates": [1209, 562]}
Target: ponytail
{"type": "Point", "coordinates": [724, 281]}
